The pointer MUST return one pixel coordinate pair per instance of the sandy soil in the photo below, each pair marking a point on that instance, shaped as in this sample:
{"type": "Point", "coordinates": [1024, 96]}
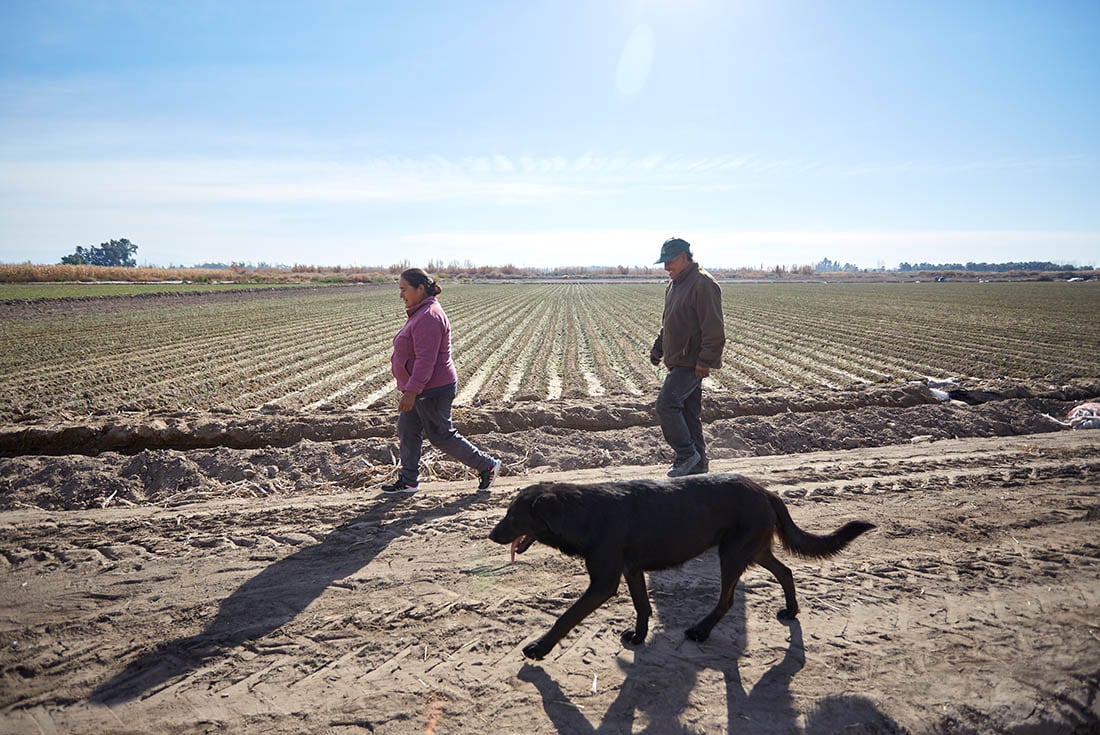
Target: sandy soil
{"type": "Point", "coordinates": [213, 573]}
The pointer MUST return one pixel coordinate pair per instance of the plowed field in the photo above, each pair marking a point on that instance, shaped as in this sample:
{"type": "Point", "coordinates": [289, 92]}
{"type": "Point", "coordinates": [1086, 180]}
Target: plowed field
{"type": "Point", "coordinates": [229, 565]}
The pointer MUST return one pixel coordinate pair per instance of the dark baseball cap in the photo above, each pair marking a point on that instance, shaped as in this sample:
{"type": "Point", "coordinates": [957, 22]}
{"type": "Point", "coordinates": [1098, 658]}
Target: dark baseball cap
{"type": "Point", "coordinates": [673, 247]}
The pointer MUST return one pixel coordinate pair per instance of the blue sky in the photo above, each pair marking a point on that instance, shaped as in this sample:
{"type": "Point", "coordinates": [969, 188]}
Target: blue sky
{"type": "Point", "coordinates": [551, 133]}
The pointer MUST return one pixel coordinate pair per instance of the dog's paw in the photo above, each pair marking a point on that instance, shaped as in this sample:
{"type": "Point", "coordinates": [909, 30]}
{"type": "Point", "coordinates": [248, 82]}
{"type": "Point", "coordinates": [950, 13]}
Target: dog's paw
{"type": "Point", "coordinates": [787, 614]}
{"type": "Point", "coordinates": [536, 651]}
{"type": "Point", "coordinates": [633, 637]}
{"type": "Point", "coordinates": [697, 634]}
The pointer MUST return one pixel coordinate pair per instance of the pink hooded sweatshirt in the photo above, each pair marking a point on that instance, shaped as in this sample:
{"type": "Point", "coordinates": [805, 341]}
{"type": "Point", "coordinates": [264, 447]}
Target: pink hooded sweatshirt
{"type": "Point", "coordinates": [422, 349]}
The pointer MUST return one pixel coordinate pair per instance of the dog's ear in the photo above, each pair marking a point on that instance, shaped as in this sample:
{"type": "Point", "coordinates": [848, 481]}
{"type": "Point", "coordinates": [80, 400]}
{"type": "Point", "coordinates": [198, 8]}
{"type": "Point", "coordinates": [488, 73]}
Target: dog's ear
{"type": "Point", "coordinates": [545, 507]}
{"type": "Point", "coordinates": [561, 518]}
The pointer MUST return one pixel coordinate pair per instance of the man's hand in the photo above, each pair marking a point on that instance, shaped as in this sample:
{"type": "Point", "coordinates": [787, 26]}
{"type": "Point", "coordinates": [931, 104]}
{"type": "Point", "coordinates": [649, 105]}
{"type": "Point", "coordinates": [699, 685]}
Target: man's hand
{"type": "Point", "coordinates": [701, 371]}
{"type": "Point", "coordinates": [408, 398]}
{"type": "Point", "coordinates": [655, 357]}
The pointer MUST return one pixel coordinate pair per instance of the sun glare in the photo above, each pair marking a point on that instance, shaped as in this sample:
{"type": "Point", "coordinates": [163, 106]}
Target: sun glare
{"type": "Point", "coordinates": [635, 61]}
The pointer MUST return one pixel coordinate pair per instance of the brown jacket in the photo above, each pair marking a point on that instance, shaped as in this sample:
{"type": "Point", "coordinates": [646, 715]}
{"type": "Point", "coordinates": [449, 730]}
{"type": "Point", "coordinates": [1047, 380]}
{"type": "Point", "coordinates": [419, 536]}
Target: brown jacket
{"type": "Point", "coordinates": [692, 330]}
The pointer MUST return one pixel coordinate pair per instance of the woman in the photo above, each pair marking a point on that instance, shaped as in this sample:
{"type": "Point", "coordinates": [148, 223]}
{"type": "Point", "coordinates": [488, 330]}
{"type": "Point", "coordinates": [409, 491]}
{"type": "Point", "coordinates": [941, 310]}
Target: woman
{"type": "Point", "coordinates": [426, 377]}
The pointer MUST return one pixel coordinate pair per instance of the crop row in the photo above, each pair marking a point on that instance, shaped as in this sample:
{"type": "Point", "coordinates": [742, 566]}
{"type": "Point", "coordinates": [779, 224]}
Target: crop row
{"type": "Point", "coordinates": [329, 349]}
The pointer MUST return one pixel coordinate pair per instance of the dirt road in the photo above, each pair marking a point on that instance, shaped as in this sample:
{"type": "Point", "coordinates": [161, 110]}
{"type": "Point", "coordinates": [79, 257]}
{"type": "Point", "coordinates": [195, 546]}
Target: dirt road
{"type": "Point", "coordinates": [973, 607]}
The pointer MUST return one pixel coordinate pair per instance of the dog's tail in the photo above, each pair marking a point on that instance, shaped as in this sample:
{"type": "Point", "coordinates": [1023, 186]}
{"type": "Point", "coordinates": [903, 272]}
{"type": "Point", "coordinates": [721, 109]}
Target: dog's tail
{"type": "Point", "coordinates": [811, 545]}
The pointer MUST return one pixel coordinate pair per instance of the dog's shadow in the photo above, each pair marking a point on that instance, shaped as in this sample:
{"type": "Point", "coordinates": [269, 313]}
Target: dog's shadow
{"type": "Point", "coordinates": [657, 690]}
{"type": "Point", "coordinates": [272, 598]}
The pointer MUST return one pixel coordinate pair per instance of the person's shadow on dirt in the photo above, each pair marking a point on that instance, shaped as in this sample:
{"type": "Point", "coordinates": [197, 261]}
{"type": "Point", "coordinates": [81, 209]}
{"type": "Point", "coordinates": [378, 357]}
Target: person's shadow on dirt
{"type": "Point", "coordinates": [270, 599]}
{"type": "Point", "coordinates": [658, 688]}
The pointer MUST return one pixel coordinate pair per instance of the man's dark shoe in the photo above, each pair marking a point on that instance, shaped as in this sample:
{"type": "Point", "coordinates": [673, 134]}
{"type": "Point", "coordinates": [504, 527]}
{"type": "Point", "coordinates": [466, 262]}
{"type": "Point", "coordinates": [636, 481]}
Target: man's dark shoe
{"type": "Point", "coordinates": [702, 468]}
{"type": "Point", "coordinates": [685, 466]}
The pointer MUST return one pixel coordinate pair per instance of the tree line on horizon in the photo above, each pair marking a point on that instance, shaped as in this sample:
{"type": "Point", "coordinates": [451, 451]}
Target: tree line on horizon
{"type": "Point", "coordinates": [120, 253]}
{"type": "Point", "coordinates": [1031, 265]}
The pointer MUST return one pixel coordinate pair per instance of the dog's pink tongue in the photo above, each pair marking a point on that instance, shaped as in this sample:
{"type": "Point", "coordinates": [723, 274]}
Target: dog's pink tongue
{"type": "Point", "coordinates": [515, 544]}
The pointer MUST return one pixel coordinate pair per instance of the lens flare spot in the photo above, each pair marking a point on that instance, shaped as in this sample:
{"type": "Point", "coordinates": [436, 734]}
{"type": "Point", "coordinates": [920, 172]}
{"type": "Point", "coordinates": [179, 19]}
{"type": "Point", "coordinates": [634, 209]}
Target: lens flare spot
{"type": "Point", "coordinates": [636, 61]}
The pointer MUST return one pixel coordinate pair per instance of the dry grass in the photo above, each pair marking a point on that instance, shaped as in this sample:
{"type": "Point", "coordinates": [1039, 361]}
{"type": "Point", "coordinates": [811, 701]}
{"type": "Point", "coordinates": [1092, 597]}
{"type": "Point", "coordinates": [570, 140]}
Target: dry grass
{"type": "Point", "coordinates": [28, 273]}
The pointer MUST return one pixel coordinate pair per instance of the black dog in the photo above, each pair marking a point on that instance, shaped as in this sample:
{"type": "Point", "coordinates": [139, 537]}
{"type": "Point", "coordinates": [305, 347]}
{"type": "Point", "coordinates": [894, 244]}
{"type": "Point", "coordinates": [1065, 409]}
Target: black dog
{"type": "Point", "coordinates": [628, 528]}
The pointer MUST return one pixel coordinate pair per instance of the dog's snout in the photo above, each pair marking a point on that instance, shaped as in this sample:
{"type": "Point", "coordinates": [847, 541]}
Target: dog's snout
{"type": "Point", "coordinates": [499, 534]}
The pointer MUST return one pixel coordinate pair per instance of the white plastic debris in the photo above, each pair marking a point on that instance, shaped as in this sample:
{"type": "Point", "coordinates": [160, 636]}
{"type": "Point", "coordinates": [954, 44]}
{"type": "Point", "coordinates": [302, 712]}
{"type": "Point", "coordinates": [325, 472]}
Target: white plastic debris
{"type": "Point", "coordinates": [1085, 416]}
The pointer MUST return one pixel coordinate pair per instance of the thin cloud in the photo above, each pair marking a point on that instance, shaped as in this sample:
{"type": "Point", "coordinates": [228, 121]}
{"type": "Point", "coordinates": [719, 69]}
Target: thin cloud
{"type": "Point", "coordinates": [489, 179]}
{"type": "Point", "coordinates": [1040, 163]}
{"type": "Point", "coordinates": [387, 179]}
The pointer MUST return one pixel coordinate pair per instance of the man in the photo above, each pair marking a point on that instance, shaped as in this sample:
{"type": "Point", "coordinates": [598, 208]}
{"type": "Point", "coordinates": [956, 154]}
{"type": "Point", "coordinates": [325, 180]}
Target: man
{"type": "Point", "coordinates": [690, 342]}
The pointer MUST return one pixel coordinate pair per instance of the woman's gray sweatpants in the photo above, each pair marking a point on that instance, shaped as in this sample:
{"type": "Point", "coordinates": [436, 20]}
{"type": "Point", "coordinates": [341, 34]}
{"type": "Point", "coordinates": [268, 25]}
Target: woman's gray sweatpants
{"type": "Point", "coordinates": [431, 417]}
